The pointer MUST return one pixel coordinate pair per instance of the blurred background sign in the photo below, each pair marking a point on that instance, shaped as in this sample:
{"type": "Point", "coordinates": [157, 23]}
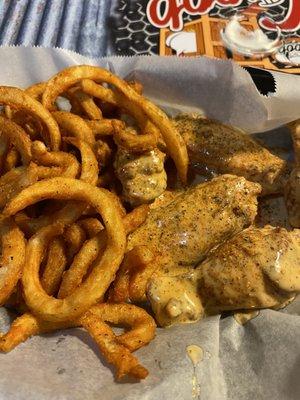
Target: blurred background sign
{"type": "Point", "coordinates": [254, 33]}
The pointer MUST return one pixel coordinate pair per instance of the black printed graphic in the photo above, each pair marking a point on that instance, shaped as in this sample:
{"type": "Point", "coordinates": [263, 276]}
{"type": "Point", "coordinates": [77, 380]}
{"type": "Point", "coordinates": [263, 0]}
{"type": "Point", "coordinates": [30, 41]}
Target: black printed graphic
{"type": "Point", "coordinates": [264, 80]}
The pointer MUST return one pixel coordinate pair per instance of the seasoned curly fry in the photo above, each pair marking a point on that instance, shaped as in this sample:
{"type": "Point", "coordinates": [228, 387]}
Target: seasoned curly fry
{"type": "Point", "coordinates": [114, 352]}
{"type": "Point", "coordinates": [21, 329]}
{"type": "Point", "coordinates": [136, 218]}
{"type": "Point", "coordinates": [15, 97]}
{"type": "Point", "coordinates": [127, 139]}
{"type": "Point", "coordinates": [15, 180]}
{"type": "Point", "coordinates": [128, 315]}
{"type": "Point", "coordinates": [67, 215]}
{"type": "Point", "coordinates": [143, 267]}
{"type": "Point", "coordinates": [17, 137]}
{"type": "Point", "coordinates": [136, 86]}
{"type": "Point", "coordinates": [31, 125]}
{"type": "Point", "coordinates": [4, 148]}
{"type": "Point", "coordinates": [55, 266]}
{"type": "Point", "coordinates": [94, 248]}
{"type": "Point", "coordinates": [16, 300]}
{"type": "Point", "coordinates": [89, 252]}
{"type": "Point", "coordinates": [103, 153]}
{"type": "Point", "coordinates": [74, 236]}
{"type": "Point", "coordinates": [12, 257]}
{"type": "Point", "coordinates": [73, 75]}
{"type": "Point", "coordinates": [8, 112]}
{"type": "Point", "coordinates": [103, 127]}
{"type": "Point", "coordinates": [49, 172]}
{"type": "Point", "coordinates": [67, 162]}
{"type": "Point", "coordinates": [76, 108]}
{"type": "Point", "coordinates": [92, 226]}
{"type": "Point", "coordinates": [26, 326]}
{"type": "Point", "coordinates": [87, 103]}
{"type": "Point", "coordinates": [99, 91]}
{"type": "Point", "coordinates": [72, 211]}
{"type": "Point", "coordinates": [120, 291]}
{"type": "Point", "coordinates": [36, 91]}
{"type": "Point", "coordinates": [94, 287]}
{"type": "Point", "coordinates": [127, 284]}
{"type": "Point", "coordinates": [75, 231]}
{"type": "Point", "coordinates": [89, 164]}
{"type": "Point", "coordinates": [151, 133]}
{"type": "Point", "coordinates": [12, 159]}
{"type": "Point", "coordinates": [139, 259]}
{"type": "Point", "coordinates": [74, 126]}
{"type": "Point", "coordinates": [116, 349]}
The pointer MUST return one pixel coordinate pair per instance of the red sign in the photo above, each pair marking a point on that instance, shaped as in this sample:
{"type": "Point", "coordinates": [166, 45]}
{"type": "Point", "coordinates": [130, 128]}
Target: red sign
{"type": "Point", "coordinates": [172, 17]}
{"type": "Point", "coordinates": [169, 13]}
{"type": "Point", "coordinates": [291, 21]}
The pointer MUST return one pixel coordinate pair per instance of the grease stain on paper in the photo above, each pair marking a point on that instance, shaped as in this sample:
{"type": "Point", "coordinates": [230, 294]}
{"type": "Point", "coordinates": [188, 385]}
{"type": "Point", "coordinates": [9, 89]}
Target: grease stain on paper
{"type": "Point", "coordinates": [243, 317]}
{"type": "Point", "coordinates": [196, 355]}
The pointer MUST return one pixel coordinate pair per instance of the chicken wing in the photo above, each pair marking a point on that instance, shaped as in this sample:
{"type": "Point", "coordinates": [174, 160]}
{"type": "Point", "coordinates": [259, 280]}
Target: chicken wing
{"type": "Point", "coordinates": [199, 219]}
{"type": "Point", "coordinates": [143, 176]}
{"type": "Point", "coordinates": [257, 268]}
{"type": "Point", "coordinates": [222, 149]}
{"type": "Point", "coordinates": [292, 189]}
{"type": "Point", "coordinates": [181, 233]}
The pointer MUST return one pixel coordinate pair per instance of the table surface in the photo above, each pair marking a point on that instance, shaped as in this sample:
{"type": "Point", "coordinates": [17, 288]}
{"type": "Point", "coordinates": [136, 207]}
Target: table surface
{"type": "Point", "coordinates": [78, 25]}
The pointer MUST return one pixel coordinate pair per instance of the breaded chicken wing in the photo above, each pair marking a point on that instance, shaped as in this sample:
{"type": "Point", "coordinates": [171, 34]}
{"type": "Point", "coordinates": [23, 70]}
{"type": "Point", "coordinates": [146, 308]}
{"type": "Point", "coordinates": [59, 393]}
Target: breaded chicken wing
{"type": "Point", "coordinates": [223, 149]}
{"type": "Point", "coordinates": [257, 268]}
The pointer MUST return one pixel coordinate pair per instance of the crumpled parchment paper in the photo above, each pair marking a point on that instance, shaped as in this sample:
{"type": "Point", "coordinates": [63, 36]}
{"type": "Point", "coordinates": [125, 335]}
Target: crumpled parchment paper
{"type": "Point", "coordinates": [260, 360]}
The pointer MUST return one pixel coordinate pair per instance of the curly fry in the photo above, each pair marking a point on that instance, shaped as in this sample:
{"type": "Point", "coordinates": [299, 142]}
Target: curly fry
{"type": "Point", "coordinates": [74, 236]}
{"type": "Point", "coordinates": [142, 268]}
{"type": "Point", "coordinates": [129, 140]}
{"type": "Point", "coordinates": [94, 248]}
{"type": "Point", "coordinates": [92, 226]}
{"type": "Point", "coordinates": [67, 162]}
{"type": "Point", "coordinates": [26, 326]}
{"type": "Point", "coordinates": [18, 137]}
{"type": "Point", "coordinates": [36, 91]}
{"type": "Point", "coordinates": [89, 252]}
{"type": "Point", "coordinates": [12, 159]}
{"type": "Point", "coordinates": [12, 257]}
{"type": "Point", "coordinates": [15, 97]}
{"type": "Point", "coordinates": [136, 218]}
{"type": "Point", "coordinates": [49, 172]}
{"type": "Point", "coordinates": [103, 153]}
{"type": "Point", "coordinates": [139, 259]}
{"type": "Point", "coordinates": [55, 266]}
{"type": "Point", "coordinates": [150, 132]}
{"type": "Point", "coordinates": [15, 180]}
{"type": "Point", "coordinates": [73, 75]}
{"type": "Point", "coordinates": [128, 315]}
{"type": "Point", "coordinates": [89, 164]}
{"type": "Point", "coordinates": [76, 108]}
{"type": "Point", "coordinates": [74, 126]}
{"type": "Point", "coordinates": [4, 148]}
{"type": "Point", "coordinates": [116, 349]}
{"type": "Point", "coordinates": [114, 352]}
{"type": "Point", "coordinates": [87, 103]}
{"type": "Point", "coordinates": [103, 127]}
{"type": "Point", "coordinates": [31, 125]}
{"type": "Point", "coordinates": [69, 213]}
{"type": "Point", "coordinates": [96, 284]}
{"type": "Point", "coordinates": [136, 86]}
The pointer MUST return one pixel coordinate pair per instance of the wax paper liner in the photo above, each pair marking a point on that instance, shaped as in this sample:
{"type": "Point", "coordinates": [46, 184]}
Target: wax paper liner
{"type": "Point", "coordinates": [260, 360]}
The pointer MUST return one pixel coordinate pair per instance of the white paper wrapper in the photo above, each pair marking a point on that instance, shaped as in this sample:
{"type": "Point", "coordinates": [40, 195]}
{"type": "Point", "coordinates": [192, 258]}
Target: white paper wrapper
{"type": "Point", "coordinates": [260, 360]}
